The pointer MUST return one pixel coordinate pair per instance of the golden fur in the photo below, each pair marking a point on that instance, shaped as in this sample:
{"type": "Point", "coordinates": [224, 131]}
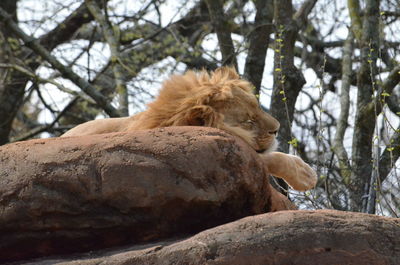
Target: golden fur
{"type": "Point", "coordinates": [221, 100]}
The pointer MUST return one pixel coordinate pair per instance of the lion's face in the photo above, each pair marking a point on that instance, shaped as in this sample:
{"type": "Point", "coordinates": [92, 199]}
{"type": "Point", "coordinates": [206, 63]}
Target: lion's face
{"type": "Point", "coordinates": [243, 116]}
{"type": "Point", "coordinates": [225, 101]}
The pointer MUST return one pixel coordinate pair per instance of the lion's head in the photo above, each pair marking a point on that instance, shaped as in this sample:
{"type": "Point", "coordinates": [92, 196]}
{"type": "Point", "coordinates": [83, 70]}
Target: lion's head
{"type": "Point", "coordinates": [220, 99]}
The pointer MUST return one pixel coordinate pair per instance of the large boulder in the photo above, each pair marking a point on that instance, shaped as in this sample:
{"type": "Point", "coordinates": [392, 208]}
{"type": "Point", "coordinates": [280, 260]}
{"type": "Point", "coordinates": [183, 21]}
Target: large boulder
{"type": "Point", "coordinates": [281, 238]}
{"type": "Point", "coordinates": [64, 195]}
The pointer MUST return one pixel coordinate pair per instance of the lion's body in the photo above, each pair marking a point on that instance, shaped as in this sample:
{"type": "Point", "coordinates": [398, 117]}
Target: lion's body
{"type": "Point", "coordinates": [221, 100]}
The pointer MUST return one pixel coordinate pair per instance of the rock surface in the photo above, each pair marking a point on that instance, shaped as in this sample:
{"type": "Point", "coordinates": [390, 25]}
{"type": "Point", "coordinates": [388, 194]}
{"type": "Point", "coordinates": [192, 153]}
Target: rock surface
{"type": "Point", "coordinates": [286, 237]}
{"type": "Point", "coordinates": [64, 195]}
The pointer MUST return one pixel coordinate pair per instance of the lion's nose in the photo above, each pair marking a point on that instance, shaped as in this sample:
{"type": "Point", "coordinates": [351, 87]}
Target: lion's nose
{"type": "Point", "coordinates": [275, 132]}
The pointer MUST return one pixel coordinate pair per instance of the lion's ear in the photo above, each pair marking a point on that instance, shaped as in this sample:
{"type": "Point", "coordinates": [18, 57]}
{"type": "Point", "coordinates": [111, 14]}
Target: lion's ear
{"type": "Point", "coordinates": [202, 116]}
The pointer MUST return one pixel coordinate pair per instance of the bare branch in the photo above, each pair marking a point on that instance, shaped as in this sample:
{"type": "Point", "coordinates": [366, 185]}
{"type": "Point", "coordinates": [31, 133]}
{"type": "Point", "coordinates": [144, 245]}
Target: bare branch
{"type": "Point", "coordinates": [39, 79]}
{"type": "Point", "coordinates": [342, 122]}
{"type": "Point", "coordinates": [301, 15]}
{"type": "Point", "coordinates": [46, 127]}
{"type": "Point", "coordinates": [67, 28]}
{"type": "Point", "coordinates": [34, 44]}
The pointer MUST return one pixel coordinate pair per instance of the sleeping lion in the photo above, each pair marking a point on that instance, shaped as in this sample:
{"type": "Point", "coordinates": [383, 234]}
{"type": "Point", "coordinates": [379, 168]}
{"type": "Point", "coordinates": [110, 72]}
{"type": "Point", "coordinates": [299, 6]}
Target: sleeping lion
{"type": "Point", "coordinates": [221, 100]}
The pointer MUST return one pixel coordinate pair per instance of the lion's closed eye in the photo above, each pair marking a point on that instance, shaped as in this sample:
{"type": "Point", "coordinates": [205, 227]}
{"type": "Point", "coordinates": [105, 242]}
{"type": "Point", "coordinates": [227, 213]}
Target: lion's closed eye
{"type": "Point", "coordinates": [248, 123]}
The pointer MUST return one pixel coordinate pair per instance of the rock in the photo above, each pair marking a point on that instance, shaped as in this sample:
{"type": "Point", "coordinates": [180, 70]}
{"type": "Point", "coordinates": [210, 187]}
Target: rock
{"type": "Point", "coordinates": [76, 194]}
{"type": "Point", "coordinates": [286, 237]}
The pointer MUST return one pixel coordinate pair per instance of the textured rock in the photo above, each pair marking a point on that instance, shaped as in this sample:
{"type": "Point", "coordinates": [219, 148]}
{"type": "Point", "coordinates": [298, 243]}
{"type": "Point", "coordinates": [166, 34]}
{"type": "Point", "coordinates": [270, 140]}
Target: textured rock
{"type": "Point", "coordinates": [286, 237]}
{"type": "Point", "coordinates": [64, 195]}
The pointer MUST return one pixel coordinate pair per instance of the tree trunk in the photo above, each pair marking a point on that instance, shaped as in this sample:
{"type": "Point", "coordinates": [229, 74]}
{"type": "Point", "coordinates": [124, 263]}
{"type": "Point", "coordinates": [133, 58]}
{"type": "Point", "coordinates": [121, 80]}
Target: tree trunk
{"type": "Point", "coordinates": [12, 83]}
{"type": "Point", "coordinates": [288, 80]}
{"type": "Point", "coordinates": [366, 113]}
{"type": "Point", "coordinates": [258, 43]}
{"type": "Point", "coordinates": [221, 27]}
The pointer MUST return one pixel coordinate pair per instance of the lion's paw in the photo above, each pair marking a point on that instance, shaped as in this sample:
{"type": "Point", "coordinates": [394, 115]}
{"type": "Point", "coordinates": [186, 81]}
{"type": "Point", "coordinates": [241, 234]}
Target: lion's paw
{"type": "Point", "coordinates": [305, 177]}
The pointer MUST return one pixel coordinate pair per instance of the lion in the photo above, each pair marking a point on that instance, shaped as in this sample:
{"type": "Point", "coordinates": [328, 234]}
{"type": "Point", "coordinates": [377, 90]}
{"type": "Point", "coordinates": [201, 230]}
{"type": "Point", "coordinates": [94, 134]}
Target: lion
{"type": "Point", "coordinates": [222, 100]}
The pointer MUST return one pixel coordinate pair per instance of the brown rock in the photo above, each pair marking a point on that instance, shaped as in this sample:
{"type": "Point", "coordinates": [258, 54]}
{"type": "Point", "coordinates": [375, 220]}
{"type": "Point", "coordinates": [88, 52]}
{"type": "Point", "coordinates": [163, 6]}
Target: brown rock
{"type": "Point", "coordinates": [64, 195]}
{"type": "Point", "coordinates": [286, 237]}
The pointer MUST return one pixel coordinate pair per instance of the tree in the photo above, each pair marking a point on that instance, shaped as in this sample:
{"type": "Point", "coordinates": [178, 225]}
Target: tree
{"type": "Point", "coordinates": [328, 71]}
